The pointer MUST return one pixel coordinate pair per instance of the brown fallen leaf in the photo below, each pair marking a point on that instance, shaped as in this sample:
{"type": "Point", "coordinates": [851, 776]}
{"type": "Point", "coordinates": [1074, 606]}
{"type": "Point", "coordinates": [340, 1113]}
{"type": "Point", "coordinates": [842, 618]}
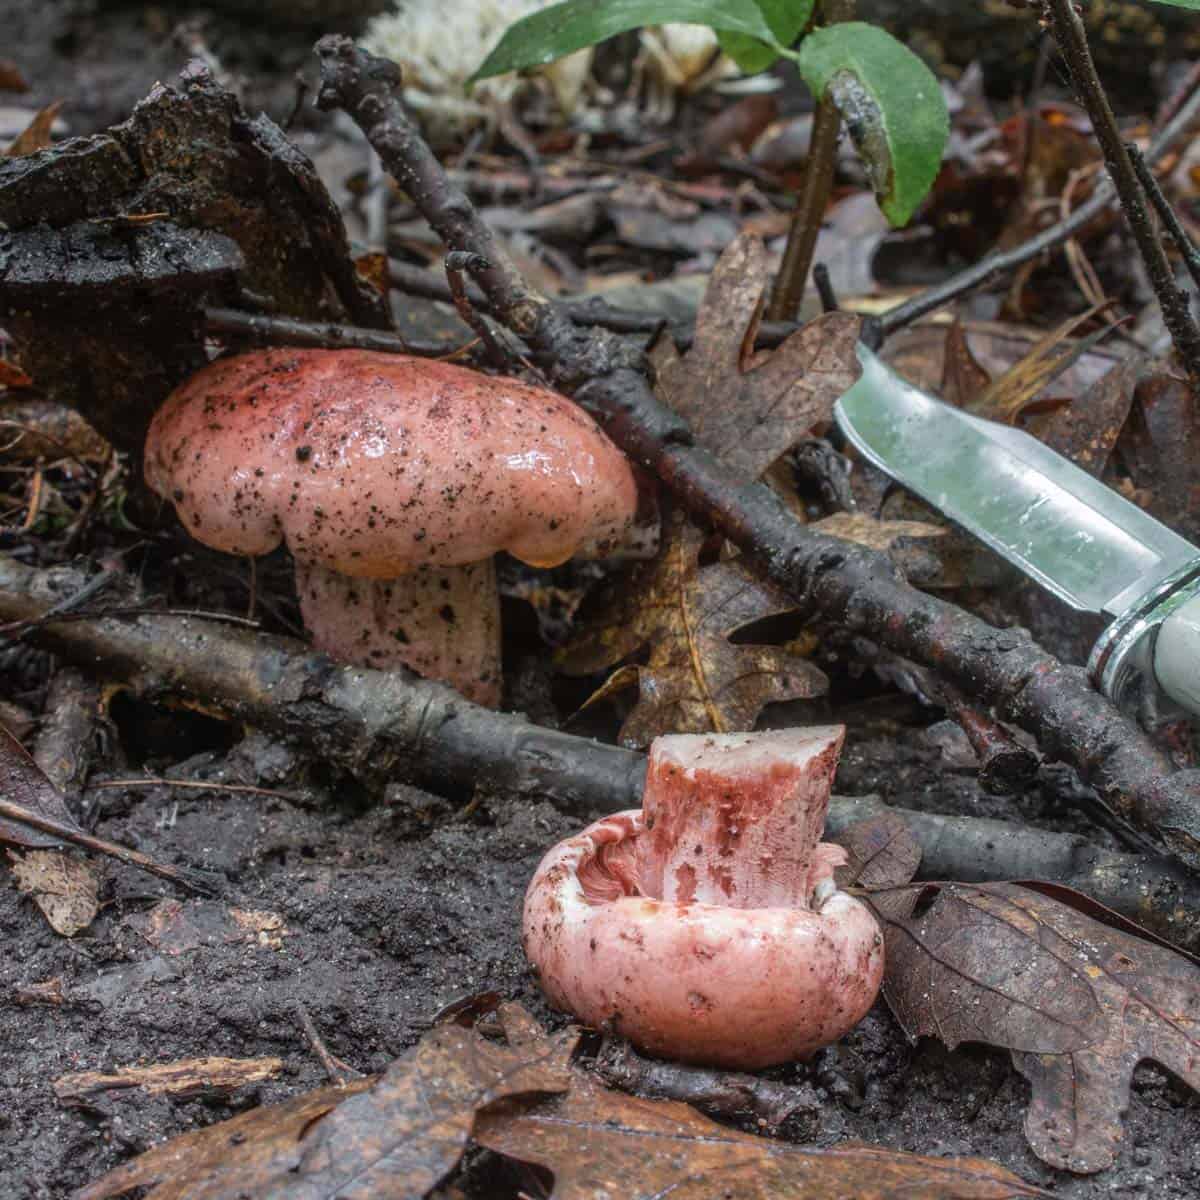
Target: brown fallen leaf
{"type": "Point", "coordinates": [210, 1076]}
{"type": "Point", "coordinates": [1079, 1003]}
{"type": "Point", "coordinates": [602, 1143]}
{"type": "Point", "coordinates": [23, 782]}
{"type": "Point", "coordinates": [747, 408]}
{"type": "Point", "coordinates": [963, 378]}
{"type": "Point", "coordinates": [397, 1135]}
{"type": "Point", "coordinates": [36, 136]}
{"type": "Point", "coordinates": [1086, 430]}
{"type": "Point", "coordinates": [696, 679]}
{"type": "Point", "coordinates": [63, 885]}
{"type": "Point", "coordinates": [228, 1159]}
{"type": "Point", "coordinates": [1160, 448]}
{"type": "Point", "coordinates": [881, 852]}
{"type": "Point", "coordinates": [872, 532]}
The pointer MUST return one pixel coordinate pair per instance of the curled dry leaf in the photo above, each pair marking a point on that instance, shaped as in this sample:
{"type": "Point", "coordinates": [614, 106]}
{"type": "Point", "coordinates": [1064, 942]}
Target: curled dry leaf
{"type": "Point", "coordinates": [696, 679]}
{"type": "Point", "coordinates": [748, 408]}
{"type": "Point", "coordinates": [397, 1135]}
{"type": "Point", "coordinates": [601, 1143]}
{"type": "Point", "coordinates": [1079, 1004]}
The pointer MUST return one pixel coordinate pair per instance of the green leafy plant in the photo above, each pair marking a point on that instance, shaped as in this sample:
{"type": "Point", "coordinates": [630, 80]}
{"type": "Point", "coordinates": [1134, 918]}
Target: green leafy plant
{"type": "Point", "coordinates": [889, 100]}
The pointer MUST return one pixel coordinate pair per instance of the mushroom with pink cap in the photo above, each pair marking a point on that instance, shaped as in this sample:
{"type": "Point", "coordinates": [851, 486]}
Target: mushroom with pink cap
{"type": "Point", "coordinates": [393, 482]}
{"type": "Point", "coordinates": [707, 926]}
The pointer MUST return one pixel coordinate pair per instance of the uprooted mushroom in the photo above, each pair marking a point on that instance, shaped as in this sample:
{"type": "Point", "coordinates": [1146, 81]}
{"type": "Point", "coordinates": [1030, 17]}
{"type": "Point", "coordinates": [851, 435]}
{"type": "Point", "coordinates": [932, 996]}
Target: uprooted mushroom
{"type": "Point", "coordinates": [393, 481]}
{"type": "Point", "coordinates": [707, 926]}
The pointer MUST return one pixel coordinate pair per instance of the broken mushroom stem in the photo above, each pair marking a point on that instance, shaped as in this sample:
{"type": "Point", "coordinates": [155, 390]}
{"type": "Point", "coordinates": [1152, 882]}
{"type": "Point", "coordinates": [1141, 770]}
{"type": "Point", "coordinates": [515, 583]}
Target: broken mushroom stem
{"type": "Point", "coordinates": [707, 927]}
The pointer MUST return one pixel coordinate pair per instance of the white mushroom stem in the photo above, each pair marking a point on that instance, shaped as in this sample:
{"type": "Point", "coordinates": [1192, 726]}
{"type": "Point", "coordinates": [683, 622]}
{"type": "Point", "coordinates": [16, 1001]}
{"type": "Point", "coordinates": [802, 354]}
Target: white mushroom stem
{"type": "Point", "coordinates": [441, 622]}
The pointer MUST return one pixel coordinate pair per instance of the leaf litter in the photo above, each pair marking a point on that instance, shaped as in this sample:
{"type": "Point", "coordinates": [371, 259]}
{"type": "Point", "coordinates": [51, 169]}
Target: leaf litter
{"type": "Point", "coordinates": [1078, 1001]}
{"type": "Point", "coordinates": [399, 1134]}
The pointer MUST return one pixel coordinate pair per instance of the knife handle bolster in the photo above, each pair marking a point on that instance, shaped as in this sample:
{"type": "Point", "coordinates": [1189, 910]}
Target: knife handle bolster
{"type": "Point", "coordinates": [1177, 655]}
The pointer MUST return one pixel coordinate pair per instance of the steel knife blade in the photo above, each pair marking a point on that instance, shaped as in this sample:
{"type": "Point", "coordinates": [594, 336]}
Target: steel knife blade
{"type": "Point", "coordinates": [1056, 523]}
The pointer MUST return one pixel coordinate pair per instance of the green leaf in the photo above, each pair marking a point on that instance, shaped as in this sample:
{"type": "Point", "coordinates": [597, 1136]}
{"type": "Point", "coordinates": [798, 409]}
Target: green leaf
{"type": "Point", "coordinates": [892, 106]}
{"type": "Point", "coordinates": [562, 29]}
{"type": "Point", "coordinates": [786, 18]}
{"type": "Point", "coordinates": [1194, 5]}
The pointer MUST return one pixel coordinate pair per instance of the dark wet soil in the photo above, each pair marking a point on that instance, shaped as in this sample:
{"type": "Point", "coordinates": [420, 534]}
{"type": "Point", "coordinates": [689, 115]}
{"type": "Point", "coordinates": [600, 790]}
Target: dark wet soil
{"type": "Point", "coordinates": [386, 914]}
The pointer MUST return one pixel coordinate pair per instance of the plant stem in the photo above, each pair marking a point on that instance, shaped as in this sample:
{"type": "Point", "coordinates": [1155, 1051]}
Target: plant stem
{"type": "Point", "coordinates": [1166, 214]}
{"type": "Point", "coordinates": [788, 292]}
{"type": "Point", "coordinates": [1072, 41]}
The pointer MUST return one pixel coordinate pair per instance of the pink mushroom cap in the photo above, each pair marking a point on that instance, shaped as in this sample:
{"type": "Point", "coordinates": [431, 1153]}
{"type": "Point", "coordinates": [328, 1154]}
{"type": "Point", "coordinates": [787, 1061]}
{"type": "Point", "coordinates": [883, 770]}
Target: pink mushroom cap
{"type": "Point", "coordinates": [373, 464]}
{"type": "Point", "coordinates": [707, 927]}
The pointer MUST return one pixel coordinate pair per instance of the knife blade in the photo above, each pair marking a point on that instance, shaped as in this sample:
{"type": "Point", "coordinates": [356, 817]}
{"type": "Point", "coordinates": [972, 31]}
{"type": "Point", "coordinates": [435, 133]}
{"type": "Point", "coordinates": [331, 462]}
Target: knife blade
{"type": "Point", "coordinates": [1053, 521]}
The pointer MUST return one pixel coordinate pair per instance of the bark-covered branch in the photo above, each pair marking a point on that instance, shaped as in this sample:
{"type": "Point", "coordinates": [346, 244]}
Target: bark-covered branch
{"type": "Point", "coordinates": [377, 725]}
{"type": "Point", "coordinates": [828, 579]}
{"type": "Point", "coordinates": [385, 726]}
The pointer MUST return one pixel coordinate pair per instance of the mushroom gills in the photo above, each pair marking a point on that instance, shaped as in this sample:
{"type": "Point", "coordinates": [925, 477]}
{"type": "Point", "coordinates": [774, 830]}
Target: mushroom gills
{"type": "Point", "coordinates": [707, 927]}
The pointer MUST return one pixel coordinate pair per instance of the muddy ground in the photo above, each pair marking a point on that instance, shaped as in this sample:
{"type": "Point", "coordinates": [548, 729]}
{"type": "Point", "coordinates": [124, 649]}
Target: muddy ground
{"type": "Point", "coordinates": [391, 911]}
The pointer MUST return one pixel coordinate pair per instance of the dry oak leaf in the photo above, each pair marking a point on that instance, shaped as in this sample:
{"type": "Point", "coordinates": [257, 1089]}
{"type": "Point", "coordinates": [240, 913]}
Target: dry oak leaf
{"type": "Point", "coordinates": [600, 1143]}
{"type": "Point", "coordinates": [696, 679]}
{"type": "Point", "coordinates": [1077, 1002]}
{"type": "Point", "coordinates": [747, 408]}
{"type": "Point", "coordinates": [392, 1137]}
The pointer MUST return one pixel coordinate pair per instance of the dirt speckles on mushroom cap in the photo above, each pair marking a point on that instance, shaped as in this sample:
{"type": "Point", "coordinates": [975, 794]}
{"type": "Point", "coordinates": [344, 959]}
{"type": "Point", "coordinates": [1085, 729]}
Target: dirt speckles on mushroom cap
{"type": "Point", "coordinates": [373, 464]}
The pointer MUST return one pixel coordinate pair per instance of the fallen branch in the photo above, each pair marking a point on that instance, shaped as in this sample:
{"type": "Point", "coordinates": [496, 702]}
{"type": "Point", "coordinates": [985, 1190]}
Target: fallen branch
{"type": "Point", "coordinates": [379, 726]}
{"type": "Point", "coordinates": [828, 579]}
{"type": "Point", "coordinates": [391, 726]}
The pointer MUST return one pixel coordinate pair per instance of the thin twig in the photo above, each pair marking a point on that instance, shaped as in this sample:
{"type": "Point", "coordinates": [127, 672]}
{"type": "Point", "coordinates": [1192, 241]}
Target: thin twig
{"type": "Point", "coordinates": [339, 1072]}
{"type": "Point", "coordinates": [805, 228]}
{"type": "Point", "coordinates": [1071, 36]}
{"type": "Point", "coordinates": [995, 265]}
{"type": "Point", "coordinates": [1166, 214]}
{"type": "Point", "coordinates": [288, 331]}
{"type": "Point", "coordinates": [456, 264]}
{"type": "Point", "coordinates": [199, 785]}
{"type": "Point", "coordinates": [200, 882]}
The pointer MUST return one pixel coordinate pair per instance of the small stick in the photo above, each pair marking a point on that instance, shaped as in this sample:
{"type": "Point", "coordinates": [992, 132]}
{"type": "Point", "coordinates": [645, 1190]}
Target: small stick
{"type": "Point", "coordinates": [1072, 41]}
{"type": "Point", "coordinates": [1005, 766]}
{"type": "Point", "coordinates": [289, 331]}
{"type": "Point", "coordinates": [458, 261]}
{"type": "Point", "coordinates": [199, 882]}
{"type": "Point", "coordinates": [1166, 214]}
{"type": "Point", "coordinates": [824, 286]}
{"type": "Point", "coordinates": [199, 785]}
{"type": "Point", "coordinates": [339, 1072]}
